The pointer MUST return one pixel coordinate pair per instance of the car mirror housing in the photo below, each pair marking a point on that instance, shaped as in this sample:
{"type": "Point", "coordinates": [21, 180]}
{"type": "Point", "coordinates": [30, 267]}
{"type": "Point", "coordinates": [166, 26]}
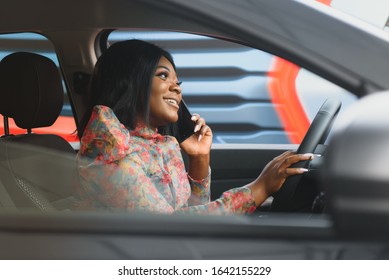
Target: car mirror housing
{"type": "Point", "coordinates": [356, 174]}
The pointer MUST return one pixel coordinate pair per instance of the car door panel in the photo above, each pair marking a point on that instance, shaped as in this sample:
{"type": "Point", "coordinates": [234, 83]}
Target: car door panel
{"type": "Point", "coordinates": [234, 165]}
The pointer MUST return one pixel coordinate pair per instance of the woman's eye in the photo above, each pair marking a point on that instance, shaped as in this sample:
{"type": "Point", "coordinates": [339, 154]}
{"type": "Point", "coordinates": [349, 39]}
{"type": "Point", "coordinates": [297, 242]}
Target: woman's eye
{"type": "Point", "coordinates": [163, 75]}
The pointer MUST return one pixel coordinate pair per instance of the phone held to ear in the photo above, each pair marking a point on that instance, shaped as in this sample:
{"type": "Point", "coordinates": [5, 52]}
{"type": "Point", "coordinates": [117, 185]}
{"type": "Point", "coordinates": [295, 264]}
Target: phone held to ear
{"type": "Point", "coordinates": [183, 128]}
{"type": "Point", "coordinates": [184, 125]}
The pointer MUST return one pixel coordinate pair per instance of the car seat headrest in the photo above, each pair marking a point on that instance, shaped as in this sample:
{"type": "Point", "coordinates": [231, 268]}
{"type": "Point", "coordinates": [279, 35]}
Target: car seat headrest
{"type": "Point", "coordinates": [31, 90]}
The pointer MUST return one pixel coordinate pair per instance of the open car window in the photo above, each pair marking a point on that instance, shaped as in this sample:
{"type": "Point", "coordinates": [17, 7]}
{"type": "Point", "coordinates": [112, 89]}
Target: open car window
{"type": "Point", "coordinates": [246, 95]}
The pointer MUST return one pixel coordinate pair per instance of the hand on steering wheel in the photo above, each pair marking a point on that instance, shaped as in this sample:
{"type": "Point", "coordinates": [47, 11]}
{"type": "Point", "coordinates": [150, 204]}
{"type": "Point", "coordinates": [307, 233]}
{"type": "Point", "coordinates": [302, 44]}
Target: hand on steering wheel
{"type": "Point", "coordinates": [288, 198]}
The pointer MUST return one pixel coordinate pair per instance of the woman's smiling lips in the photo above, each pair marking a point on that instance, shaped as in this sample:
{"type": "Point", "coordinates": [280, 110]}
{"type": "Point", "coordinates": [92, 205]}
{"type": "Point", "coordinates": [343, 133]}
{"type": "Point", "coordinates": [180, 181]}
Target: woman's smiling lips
{"type": "Point", "coordinates": [173, 102]}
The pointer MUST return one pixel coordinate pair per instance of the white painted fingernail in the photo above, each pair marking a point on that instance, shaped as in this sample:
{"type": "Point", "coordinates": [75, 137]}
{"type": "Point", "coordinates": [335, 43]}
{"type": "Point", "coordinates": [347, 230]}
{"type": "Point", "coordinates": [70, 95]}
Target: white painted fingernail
{"type": "Point", "coordinates": [303, 170]}
{"type": "Point", "coordinates": [197, 128]}
{"type": "Point", "coordinates": [193, 118]}
{"type": "Point", "coordinates": [200, 136]}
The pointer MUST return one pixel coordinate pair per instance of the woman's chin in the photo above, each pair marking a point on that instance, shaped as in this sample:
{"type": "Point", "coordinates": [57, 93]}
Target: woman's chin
{"type": "Point", "coordinates": [173, 119]}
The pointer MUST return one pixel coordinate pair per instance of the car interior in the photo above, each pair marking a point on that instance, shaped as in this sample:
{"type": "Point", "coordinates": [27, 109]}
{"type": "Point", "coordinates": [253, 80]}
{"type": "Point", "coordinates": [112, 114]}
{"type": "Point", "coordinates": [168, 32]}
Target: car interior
{"type": "Point", "coordinates": [36, 80]}
{"type": "Point", "coordinates": [32, 77]}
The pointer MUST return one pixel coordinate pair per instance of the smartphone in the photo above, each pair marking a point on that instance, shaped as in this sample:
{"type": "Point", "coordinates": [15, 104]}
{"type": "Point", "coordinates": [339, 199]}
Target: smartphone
{"type": "Point", "coordinates": [184, 126]}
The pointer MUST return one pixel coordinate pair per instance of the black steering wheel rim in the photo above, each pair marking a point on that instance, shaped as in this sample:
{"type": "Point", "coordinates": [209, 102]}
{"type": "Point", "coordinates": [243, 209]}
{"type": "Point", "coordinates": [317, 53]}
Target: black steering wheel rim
{"type": "Point", "coordinates": [286, 200]}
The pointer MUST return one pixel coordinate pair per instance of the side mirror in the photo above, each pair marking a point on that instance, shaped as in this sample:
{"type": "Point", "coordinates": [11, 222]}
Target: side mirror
{"type": "Point", "coordinates": [356, 169]}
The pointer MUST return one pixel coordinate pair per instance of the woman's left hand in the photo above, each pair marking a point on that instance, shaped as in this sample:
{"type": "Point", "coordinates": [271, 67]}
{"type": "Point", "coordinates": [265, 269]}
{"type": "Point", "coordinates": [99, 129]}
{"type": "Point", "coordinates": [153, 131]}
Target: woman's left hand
{"type": "Point", "coordinates": [200, 142]}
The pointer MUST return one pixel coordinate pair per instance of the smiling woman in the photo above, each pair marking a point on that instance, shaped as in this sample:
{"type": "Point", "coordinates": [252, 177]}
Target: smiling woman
{"type": "Point", "coordinates": [126, 163]}
{"type": "Point", "coordinates": [165, 95]}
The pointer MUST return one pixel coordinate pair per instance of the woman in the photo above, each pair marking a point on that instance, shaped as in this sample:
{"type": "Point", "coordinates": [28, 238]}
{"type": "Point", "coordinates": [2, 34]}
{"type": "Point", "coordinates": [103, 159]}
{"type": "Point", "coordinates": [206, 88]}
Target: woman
{"type": "Point", "coordinates": [125, 163]}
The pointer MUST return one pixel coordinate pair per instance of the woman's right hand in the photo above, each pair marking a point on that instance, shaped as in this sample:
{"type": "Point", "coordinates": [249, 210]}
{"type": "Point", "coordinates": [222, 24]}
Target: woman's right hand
{"type": "Point", "coordinates": [275, 173]}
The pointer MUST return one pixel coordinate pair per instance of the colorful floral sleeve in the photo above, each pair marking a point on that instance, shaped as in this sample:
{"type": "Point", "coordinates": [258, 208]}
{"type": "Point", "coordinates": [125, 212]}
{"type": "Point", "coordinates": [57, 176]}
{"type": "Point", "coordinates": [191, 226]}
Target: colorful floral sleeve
{"type": "Point", "coordinates": [106, 139]}
{"type": "Point", "coordinates": [234, 201]}
{"type": "Point", "coordinates": [200, 190]}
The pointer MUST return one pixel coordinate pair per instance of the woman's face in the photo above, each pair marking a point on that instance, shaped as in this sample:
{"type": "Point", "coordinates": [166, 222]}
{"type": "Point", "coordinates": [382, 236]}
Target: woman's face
{"type": "Point", "coordinates": [165, 95]}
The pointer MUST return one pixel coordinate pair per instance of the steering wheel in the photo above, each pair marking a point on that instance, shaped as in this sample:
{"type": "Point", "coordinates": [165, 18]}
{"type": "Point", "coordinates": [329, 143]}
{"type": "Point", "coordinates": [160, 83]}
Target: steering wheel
{"type": "Point", "coordinates": [292, 197]}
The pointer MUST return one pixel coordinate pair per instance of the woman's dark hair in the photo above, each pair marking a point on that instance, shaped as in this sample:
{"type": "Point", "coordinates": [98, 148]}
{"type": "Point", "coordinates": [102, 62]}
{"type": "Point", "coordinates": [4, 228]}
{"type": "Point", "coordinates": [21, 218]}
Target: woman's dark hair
{"type": "Point", "coordinates": [122, 81]}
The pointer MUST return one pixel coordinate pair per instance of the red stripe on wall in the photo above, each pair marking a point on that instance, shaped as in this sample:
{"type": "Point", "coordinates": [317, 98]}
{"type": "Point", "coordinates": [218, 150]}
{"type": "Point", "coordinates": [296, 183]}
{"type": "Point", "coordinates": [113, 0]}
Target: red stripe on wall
{"type": "Point", "coordinates": [326, 2]}
{"type": "Point", "coordinates": [284, 96]}
{"type": "Point", "coordinates": [283, 93]}
{"type": "Point", "coordinates": [64, 126]}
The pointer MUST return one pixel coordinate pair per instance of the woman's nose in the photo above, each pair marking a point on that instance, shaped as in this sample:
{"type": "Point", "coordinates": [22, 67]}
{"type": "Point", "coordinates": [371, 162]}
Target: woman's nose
{"type": "Point", "coordinates": [175, 86]}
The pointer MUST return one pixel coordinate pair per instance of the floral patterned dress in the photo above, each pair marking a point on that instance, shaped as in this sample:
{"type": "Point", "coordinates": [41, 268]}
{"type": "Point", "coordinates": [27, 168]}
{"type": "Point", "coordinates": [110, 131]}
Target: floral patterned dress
{"type": "Point", "coordinates": [142, 170]}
